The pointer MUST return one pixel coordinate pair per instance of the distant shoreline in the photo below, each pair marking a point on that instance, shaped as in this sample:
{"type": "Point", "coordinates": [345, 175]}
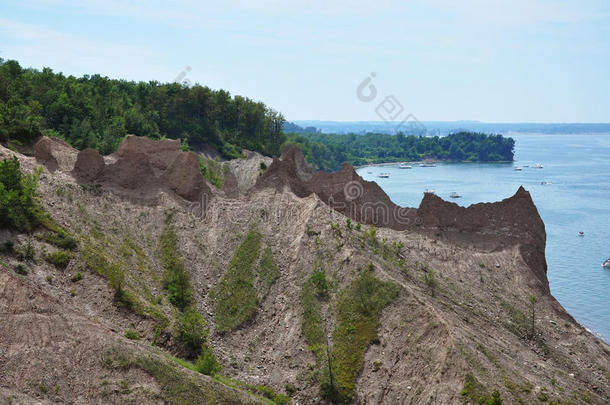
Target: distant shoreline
{"type": "Point", "coordinates": [418, 162]}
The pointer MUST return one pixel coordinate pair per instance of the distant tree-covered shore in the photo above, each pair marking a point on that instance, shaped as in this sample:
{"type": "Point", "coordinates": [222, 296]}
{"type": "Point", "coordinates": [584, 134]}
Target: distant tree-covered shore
{"type": "Point", "coordinates": [329, 151]}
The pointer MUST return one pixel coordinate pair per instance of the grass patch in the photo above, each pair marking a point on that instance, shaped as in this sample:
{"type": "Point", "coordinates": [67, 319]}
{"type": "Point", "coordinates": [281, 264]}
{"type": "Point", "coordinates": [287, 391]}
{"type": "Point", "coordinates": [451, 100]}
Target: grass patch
{"type": "Point", "coordinates": [77, 277]}
{"type": "Point", "coordinates": [267, 271]}
{"type": "Point", "coordinates": [312, 294]}
{"type": "Point", "coordinates": [518, 323]}
{"type": "Point", "coordinates": [214, 171]}
{"type": "Point", "coordinates": [474, 392]}
{"type": "Point", "coordinates": [178, 386]}
{"type": "Point", "coordinates": [358, 310]}
{"type": "Point", "coordinates": [115, 274]}
{"type": "Point", "coordinates": [235, 295]}
{"type": "Point", "coordinates": [190, 328]}
{"type": "Point", "coordinates": [267, 393]}
{"type": "Point", "coordinates": [175, 277]}
{"type": "Point", "coordinates": [60, 239]}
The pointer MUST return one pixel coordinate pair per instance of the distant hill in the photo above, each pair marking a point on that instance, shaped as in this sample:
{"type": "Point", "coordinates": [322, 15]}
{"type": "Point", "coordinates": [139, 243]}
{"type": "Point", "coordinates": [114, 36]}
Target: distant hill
{"type": "Point", "coordinates": [296, 129]}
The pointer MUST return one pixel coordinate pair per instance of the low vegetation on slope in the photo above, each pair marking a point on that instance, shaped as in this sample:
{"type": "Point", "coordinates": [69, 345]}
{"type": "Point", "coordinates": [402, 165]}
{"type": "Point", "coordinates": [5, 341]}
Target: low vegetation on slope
{"type": "Point", "coordinates": [178, 385]}
{"type": "Point", "coordinates": [244, 283]}
{"type": "Point", "coordinates": [175, 277]}
{"type": "Point", "coordinates": [20, 211]}
{"type": "Point", "coordinates": [190, 328]}
{"type": "Point", "coordinates": [214, 171]}
{"type": "Point", "coordinates": [235, 294]}
{"type": "Point", "coordinates": [356, 310]}
{"type": "Point", "coordinates": [357, 318]}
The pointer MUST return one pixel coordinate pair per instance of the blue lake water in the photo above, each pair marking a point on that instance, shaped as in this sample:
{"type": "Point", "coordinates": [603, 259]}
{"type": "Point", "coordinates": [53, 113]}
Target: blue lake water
{"type": "Point", "coordinates": [576, 197]}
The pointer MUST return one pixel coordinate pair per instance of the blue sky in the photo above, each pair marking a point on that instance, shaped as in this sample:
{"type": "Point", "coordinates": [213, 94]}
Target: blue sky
{"type": "Point", "coordinates": [494, 60]}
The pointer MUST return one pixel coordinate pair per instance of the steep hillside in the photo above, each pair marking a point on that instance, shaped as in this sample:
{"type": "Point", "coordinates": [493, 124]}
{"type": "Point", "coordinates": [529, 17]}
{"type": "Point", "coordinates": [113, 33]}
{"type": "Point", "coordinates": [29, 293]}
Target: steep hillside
{"type": "Point", "coordinates": [287, 284]}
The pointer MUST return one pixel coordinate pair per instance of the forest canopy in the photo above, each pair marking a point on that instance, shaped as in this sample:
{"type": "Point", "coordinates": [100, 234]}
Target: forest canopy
{"type": "Point", "coordinates": [97, 112]}
{"type": "Point", "coordinates": [329, 151]}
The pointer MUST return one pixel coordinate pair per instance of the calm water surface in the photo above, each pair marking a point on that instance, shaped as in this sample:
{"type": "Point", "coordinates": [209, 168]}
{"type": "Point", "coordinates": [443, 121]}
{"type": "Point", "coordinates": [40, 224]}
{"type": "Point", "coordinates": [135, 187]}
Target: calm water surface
{"type": "Point", "coordinates": [576, 197]}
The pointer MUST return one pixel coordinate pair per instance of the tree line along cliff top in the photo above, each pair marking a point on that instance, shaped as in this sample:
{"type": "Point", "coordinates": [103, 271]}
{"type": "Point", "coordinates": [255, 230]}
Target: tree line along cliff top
{"type": "Point", "coordinates": [97, 112]}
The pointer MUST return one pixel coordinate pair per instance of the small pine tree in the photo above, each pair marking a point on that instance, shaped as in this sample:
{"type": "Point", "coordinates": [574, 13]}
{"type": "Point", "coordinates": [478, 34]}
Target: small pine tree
{"type": "Point", "coordinates": [206, 362]}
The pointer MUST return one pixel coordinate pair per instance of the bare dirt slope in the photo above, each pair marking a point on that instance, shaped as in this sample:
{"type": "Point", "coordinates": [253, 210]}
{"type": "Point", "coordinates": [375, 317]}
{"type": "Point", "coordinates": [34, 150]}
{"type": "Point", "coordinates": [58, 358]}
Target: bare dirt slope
{"type": "Point", "coordinates": [456, 328]}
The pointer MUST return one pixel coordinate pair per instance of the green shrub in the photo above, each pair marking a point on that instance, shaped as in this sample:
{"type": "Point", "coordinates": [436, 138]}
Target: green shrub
{"type": "Point", "coordinates": [8, 247]}
{"type": "Point", "coordinates": [184, 145]}
{"type": "Point", "coordinates": [431, 282]}
{"type": "Point", "coordinates": [369, 236]}
{"type": "Point", "coordinates": [235, 295]}
{"type": "Point", "coordinates": [132, 334]}
{"type": "Point", "coordinates": [191, 330]}
{"type": "Point", "coordinates": [59, 258]}
{"type": "Point", "coordinates": [542, 396]}
{"type": "Point", "coordinates": [206, 362]}
{"type": "Point", "coordinates": [337, 230]}
{"type": "Point", "coordinates": [290, 389]}
{"type": "Point", "coordinates": [21, 269]}
{"type": "Point", "coordinates": [26, 252]}
{"type": "Point", "coordinates": [77, 277]}
{"type": "Point", "coordinates": [318, 281]}
{"type": "Point", "coordinates": [19, 207]}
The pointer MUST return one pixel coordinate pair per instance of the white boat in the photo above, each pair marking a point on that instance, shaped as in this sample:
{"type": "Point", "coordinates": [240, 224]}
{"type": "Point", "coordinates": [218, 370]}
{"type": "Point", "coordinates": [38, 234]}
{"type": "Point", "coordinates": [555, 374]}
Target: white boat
{"type": "Point", "coordinates": [606, 264]}
{"type": "Point", "coordinates": [383, 175]}
{"type": "Point", "coordinates": [517, 169]}
{"type": "Point", "coordinates": [404, 166]}
{"type": "Point", "coordinates": [538, 166]}
{"type": "Point", "coordinates": [454, 194]}
{"type": "Point", "coordinates": [581, 233]}
{"type": "Point", "coordinates": [427, 165]}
